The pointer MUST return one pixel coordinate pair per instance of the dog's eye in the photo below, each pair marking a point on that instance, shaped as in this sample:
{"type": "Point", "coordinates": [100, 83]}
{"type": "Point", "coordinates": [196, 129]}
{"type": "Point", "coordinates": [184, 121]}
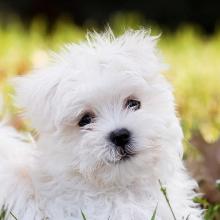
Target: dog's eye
{"type": "Point", "coordinates": [86, 119]}
{"type": "Point", "coordinates": [133, 104]}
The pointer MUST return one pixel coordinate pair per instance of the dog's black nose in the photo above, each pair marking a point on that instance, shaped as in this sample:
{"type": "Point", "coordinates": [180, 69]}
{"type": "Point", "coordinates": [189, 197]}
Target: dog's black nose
{"type": "Point", "coordinates": [120, 137]}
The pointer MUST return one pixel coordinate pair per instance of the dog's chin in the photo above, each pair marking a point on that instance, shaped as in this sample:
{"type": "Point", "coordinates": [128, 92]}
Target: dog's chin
{"type": "Point", "coordinates": [125, 158]}
{"type": "Point", "coordinates": [119, 173]}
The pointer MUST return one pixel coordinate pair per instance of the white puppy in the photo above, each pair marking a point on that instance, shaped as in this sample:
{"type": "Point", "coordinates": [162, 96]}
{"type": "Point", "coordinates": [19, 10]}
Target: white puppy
{"type": "Point", "coordinates": [108, 133]}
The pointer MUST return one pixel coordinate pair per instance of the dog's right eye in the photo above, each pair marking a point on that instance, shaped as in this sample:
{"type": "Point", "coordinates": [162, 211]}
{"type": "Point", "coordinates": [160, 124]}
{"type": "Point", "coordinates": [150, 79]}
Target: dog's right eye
{"type": "Point", "coordinates": [86, 119]}
{"type": "Point", "coordinates": [133, 104]}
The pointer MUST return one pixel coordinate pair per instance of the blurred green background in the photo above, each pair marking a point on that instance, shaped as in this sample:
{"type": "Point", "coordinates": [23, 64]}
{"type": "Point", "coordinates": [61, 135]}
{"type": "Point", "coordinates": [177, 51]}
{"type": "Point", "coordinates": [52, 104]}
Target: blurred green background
{"type": "Point", "coordinates": [190, 43]}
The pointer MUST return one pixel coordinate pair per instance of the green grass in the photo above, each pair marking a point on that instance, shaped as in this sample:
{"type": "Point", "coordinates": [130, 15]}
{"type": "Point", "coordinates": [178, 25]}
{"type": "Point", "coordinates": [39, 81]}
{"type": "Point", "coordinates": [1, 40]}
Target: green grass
{"type": "Point", "coordinates": [154, 214]}
{"type": "Point", "coordinates": [164, 191]}
{"type": "Point", "coordinates": [2, 214]}
{"type": "Point", "coordinates": [212, 210]}
{"type": "Point", "coordinates": [83, 215]}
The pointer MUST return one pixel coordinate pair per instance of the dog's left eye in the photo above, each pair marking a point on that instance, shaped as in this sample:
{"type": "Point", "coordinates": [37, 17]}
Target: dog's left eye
{"type": "Point", "coordinates": [86, 119]}
{"type": "Point", "coordinates": [133, 104]}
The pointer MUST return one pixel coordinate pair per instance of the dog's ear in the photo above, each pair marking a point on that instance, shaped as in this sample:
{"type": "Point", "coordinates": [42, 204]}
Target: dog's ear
{"type": "Point", "coordinates": [34, 93]}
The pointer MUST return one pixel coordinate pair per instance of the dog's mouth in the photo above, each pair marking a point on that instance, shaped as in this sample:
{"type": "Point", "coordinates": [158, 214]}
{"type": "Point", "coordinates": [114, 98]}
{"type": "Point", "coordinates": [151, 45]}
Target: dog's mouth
{"type": "Point", "coordinates": [127, 156]}
{"type": "Point", "coordinates": [123, 155]}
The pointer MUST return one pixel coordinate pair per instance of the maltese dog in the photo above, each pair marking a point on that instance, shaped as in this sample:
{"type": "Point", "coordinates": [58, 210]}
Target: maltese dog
{"type": "Point", "coordinates": [108, 135]}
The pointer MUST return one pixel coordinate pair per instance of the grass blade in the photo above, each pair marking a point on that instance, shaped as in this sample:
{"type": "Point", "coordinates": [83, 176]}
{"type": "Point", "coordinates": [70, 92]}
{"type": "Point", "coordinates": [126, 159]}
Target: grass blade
{"type": "Point", "coordinates": [3, 212]}
{"type": "Point", "coordinates": [83, 215]}
{"type": "Point", "coordinates": [13, 216]}
{"type": "Point", "coordinates": [164, 191]}
{"type": "Point", "coordinates": [154, 214]}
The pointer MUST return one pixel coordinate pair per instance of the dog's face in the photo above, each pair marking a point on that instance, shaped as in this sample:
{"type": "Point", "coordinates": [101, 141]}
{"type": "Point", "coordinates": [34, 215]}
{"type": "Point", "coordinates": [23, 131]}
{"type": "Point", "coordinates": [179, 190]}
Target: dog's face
{"type": "Point", "coordinates": [103, 110]}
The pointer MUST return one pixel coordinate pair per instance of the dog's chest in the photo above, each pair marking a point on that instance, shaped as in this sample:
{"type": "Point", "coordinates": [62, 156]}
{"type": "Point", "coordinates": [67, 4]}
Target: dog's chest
{"type": "Point", "coordinates": [97, 205]}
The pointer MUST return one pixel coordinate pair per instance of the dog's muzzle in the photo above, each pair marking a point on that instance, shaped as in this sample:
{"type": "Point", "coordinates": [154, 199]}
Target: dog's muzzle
{"type": "Point", "coordinates": [121, 138]}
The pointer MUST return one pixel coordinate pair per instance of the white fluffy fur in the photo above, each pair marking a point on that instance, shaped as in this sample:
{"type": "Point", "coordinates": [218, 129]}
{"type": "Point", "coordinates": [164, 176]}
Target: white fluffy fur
{"type": "Point", "coordinates": [70, 169]}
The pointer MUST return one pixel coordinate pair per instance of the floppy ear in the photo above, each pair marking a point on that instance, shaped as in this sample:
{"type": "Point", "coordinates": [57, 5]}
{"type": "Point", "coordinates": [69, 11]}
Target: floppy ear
{"type": "Point", "coordinates": [34, 93]}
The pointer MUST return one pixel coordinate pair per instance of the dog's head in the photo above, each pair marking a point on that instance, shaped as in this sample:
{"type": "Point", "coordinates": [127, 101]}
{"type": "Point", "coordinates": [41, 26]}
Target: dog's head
{"type": "Point", "coordinates": [103, 109]}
